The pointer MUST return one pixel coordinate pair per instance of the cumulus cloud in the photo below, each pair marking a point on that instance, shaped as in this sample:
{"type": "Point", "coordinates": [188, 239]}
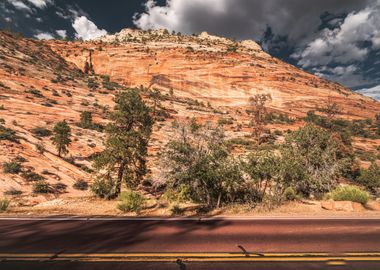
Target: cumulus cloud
{"type": "Point", "coordinates": [39, 3]}
{"type": "Point", "coordinates": [20, 5]}
{"type": "Point", "coordinates": [61, 33]}
{"type": "Point", "coordinates": [344, 44]}
{"type": "Point", "coordinates": [86, 29]}
{"type": "Point", "coordinates": [243, 19]}
{"type": "Point", "coordinates": [46, 36]}
{"type": "Point", "coordinates": [373, 92]}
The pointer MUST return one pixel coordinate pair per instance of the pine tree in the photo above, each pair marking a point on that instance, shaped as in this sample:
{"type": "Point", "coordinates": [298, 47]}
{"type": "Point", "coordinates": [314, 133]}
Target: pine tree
{"type": "Point", "coordinates": [61, 137]}
{"type": "Point", "coordinates": [126, 147]}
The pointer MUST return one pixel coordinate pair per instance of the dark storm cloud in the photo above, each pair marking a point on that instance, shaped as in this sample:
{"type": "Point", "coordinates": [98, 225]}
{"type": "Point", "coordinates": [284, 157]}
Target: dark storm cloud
{"type": "Point", "coordinates": [244, 19]}
{"type": "Point", "coordinates": [332, 38]}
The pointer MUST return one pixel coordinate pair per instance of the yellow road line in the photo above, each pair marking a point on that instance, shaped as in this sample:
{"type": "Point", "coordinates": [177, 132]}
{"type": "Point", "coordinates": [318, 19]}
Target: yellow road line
{"type": "Point", "coordinates": [210, 259]}
{"type": "Point", "coordinates": [194, 257]}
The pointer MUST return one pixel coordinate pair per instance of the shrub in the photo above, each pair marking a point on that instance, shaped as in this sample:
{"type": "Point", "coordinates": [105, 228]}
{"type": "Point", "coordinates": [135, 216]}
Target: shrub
{"type": "Point", "coordinates": [316, 155]}
{"type": "Point", "coordinates": [7, 134]}
{"type": "Point", "coordinates": [86, 119]}
{"type": "Point", "coordinates": [290, 194]}
{"type": "Point", "coordinates": [13, 192]}
{"type": "Point", "coordinates": [31, 176]}
{"type": "Point", "coordinates": [40, 148]}
{"type": "Point", "coordinates": [370, 178]}
{"type": "Point", "coordinates": [35, 92]}
{"type": "Point", "coordinates": [41, 132]}
{"type": "Point", "coordinates": [176, 210]}
{"type": "Point", "coordinates": [131, 201]}
{"type": "Point", "coordinates": [41, 187]}
{"type": "Point", "coordinates": [104, 188]}
{"type": "Point", "coordinates": [350, 193]}
{"type": "Point", "coordinates": [80, 185]}
{"type": "Point", "coordinates": [11, 167]}
{"type": "Point", "coordinates": [60, 187]}
{"type": "Point", "coordinates": [4, 204]}
{"type": "Point", "coordinates": [198, 164]}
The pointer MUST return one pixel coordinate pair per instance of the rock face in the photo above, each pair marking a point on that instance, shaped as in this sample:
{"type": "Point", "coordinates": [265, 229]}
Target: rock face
{"type": "Point", "coordinates": [342, 206]}
{"type": "Point", "coordinates": [42, 82]}
{"type": "Point", "coordinates": [211, 69]}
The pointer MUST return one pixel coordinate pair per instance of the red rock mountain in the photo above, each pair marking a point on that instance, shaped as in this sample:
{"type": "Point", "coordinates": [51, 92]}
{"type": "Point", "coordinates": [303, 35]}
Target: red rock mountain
{"type": "Point", "coordinates": [203, 76]}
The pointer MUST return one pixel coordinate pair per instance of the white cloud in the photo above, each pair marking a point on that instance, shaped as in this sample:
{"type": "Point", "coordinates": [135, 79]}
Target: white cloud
{"type": "Point", "coordinates": [86, 29]}
{"type": "Point", "coordinates": [243, 19]}
{"type": "Point", "coordinates": [20, 5]}
{"type": "Point", "coordinates": [373, 92]}
{"type": "Point", "coordinates": [46, 36]}
{"type": "Point", "coordinates": [39, 3]}
{"type": "Point", "coordinates": [62, 33]}
{"type": "Point", "coordinates": [344, 44]}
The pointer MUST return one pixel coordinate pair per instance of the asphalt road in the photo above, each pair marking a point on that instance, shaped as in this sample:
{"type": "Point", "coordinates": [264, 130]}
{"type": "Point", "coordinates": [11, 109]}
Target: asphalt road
{"type": "Point", "coordinates": [190, 244]}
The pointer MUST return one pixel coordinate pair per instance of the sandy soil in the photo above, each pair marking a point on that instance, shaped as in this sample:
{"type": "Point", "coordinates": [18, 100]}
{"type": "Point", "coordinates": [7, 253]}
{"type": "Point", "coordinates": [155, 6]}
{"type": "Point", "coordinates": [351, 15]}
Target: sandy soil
{"type": "Point", "coordinates": [91, 206]}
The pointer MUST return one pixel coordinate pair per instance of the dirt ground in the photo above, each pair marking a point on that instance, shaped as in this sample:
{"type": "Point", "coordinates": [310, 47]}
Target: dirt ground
{"type": "Point", "coordinates": [91, 206]}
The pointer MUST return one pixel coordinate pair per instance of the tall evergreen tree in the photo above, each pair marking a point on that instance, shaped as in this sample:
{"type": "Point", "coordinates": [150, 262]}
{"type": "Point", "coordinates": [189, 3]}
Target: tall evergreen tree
{"type": "Point", "coordinates": [126, 147]}
{"type": "Point", "coordinates": [61, 137]}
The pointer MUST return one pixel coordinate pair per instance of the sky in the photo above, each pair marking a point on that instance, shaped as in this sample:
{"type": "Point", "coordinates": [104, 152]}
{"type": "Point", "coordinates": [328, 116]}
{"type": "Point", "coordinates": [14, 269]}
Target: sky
{"type": "Point", "coordinates": [335, 39]}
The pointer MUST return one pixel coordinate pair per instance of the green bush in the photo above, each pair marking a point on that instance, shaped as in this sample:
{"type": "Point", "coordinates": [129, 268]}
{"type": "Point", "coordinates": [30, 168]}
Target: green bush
{"type": "Point", "coordinates": [370, 178]}
{"type": "Point", "coordinates": [80, 185]}
{"type": "Point", "coordinates": [290, 194]}
{"type": "Point", "coordinates": [40, 148]}
{"type": "Point", "coordinates": [176, 210]}
{"type": "Point", "coordinates": [104, 188]}
{"type": "Point", "coordinates": [4, 204]}
{"type": "Point", "coordinates": [41, 132]}
{"type": "Point", "coordinates": [131, 201]}
{"type": "Point", "coordinates": [32, 176]}
{"type": "Point", "coordinates": [59, 187]}
{"type": "Point", "coordinates": [11, 167]}
{"type": "Point", "coordinates": [350, 193]}
{"type": "Point", "coordinates": [13, 192]}
{"type": "Point", "coordinates": [8, 134]}
{"type": "Point", "coordinates": [41, 187]}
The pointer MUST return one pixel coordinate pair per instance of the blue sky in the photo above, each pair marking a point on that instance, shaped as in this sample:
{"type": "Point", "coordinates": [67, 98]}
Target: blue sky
{"type": "Point", "coordinates": [335, 39]}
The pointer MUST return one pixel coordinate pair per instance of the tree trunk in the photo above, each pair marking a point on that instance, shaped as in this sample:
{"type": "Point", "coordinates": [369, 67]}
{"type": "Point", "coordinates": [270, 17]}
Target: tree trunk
{"type": "Point", "coordinates": [219, 198]}
{"type": "Point", "coordinates": [120, 175]}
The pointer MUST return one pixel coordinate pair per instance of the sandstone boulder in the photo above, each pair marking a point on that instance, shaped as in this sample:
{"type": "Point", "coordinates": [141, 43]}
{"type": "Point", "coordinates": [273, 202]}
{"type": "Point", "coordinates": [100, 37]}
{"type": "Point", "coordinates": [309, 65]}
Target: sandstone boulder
{"type": "Point", "coordinates": [342, 206]}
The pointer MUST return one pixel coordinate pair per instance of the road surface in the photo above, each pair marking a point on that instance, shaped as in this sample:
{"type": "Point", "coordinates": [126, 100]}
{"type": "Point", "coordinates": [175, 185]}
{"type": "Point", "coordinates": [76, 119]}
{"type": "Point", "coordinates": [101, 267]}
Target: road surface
{"type": "Point", "coordinates": [222, 243]}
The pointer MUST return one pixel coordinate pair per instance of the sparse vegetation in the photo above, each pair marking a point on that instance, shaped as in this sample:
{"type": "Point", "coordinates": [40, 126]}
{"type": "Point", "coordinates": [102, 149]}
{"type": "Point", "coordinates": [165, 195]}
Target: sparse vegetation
{"type": "Point", "coordinates": [13, 192]}
{"type": "Point", "coordinates": [350, 193]}
{"type": "Point", "coordinates": [80, 185]}
{"type": "Point", "coordinates": [7, 133]}
{"type": "Point", "coordinates": [4, 204]}
{"type": "Point", "coordinates": [370, 178]}
{"type": "Point", "coordinates": [41, 132]}
{"type": "Point", "coordinates": [131, 201]}
{"type": "Point", "coordinates": [30, 175]}
{"type": "Point", "coordinates": [41, 187]}
{"type": "Point", "coordinates": [11, 167]}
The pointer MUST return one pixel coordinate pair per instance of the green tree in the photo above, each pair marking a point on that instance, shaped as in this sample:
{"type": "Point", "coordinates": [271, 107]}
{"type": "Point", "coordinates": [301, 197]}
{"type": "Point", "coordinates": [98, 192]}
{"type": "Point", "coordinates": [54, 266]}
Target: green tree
{"type": "Point", "coordinates": [61, 137]}
{"type": "Point", "coordinates": [86, 119]}
{"type": "Point", "coordinates": [198, 165]}
{"type": "Point", "coordinates": [315, 152]}
{"type": "Point", "coordinates": [126, 147]}
{"type": "Point", "coordinates": [370, 178]}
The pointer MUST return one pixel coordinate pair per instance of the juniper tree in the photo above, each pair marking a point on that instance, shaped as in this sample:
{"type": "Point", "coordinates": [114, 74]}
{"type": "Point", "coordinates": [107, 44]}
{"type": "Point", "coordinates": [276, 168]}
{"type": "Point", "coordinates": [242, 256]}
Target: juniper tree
{"type": "Point", "coordinates": [126, 146]}
{"type": "Point", "coordinates": [86, 119]}
{"type": "Point", "coordinates": [61, 137]}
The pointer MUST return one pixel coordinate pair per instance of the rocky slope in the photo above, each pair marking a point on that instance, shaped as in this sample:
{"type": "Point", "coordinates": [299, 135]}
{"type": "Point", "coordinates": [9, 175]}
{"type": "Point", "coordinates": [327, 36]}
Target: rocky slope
{"type": "Point", "coordinates": [206, 77]}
